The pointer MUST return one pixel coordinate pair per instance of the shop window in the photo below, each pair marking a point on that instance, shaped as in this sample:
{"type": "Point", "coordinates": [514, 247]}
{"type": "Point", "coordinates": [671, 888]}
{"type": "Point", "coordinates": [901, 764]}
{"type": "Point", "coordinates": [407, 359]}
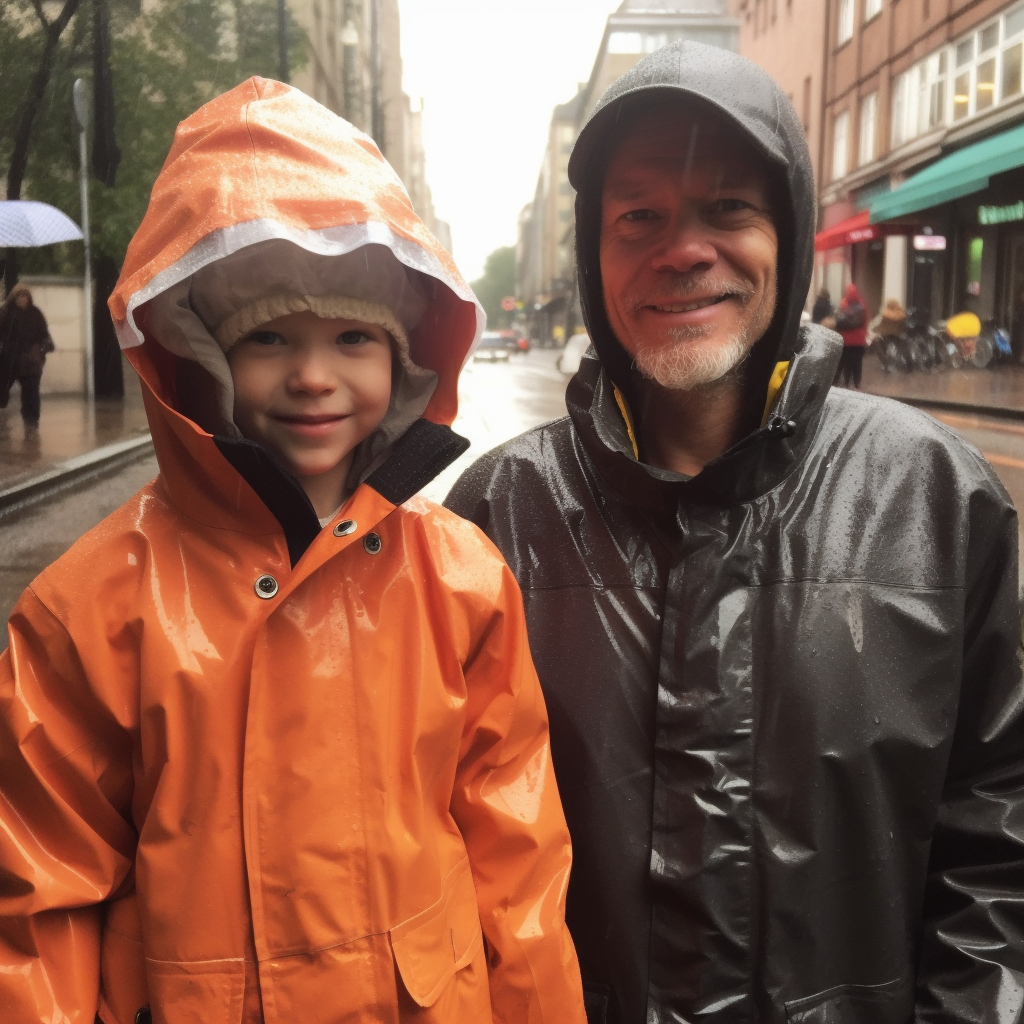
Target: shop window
{"type": "Point", "coordinates": [985, 85]}
{"type": "Point", "coordinates": [868, 111]}
{"type": "Point", "coordinates": [965, 52]}
{"type": "Point", "coordinates": [975, 248]}
{"type": "Point", "coordinates": [840, 145]}
{"type": "Point", "coordinates": [845, 21]}
{"type": "Point", "coordinates": [988, 38]}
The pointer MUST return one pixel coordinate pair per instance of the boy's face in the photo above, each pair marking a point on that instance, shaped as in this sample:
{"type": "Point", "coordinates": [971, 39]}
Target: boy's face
{"type": "Point", "coordinates": [310, 390]}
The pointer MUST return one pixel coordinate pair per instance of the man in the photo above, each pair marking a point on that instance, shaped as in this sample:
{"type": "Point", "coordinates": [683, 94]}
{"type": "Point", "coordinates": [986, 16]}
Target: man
{"type": "Point", "coordinates": [776, 624]}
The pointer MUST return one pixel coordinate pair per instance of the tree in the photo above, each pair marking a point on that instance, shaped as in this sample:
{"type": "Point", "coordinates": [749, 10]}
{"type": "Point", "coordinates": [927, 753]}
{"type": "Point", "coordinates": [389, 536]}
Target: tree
{"type": "Point", "coordinates": [165, 62]}
{"type": "Point", "coordinates": [498, 282]}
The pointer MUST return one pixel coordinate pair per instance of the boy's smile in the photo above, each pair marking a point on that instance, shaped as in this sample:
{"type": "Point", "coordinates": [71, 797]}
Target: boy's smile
{"type": "Point", "coordinates": [310, 390]}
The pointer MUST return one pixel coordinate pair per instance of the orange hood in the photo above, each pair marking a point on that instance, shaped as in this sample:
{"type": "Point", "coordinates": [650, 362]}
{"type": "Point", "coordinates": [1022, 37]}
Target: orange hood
{"type": "Point", "coordinates": [266, 164]}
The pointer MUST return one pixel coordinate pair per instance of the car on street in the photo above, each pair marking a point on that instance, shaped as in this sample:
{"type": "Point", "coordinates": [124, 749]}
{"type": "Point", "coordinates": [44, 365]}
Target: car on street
{"type": "Point", "coordinates": [569, 360]}
{"type": "Point", "coordinates": [493, 348]}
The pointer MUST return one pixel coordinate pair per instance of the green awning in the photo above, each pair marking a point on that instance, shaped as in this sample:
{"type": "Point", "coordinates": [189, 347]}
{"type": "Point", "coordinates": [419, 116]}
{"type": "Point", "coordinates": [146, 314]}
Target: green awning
{"type": "Point", "coordinates": [959, 174]}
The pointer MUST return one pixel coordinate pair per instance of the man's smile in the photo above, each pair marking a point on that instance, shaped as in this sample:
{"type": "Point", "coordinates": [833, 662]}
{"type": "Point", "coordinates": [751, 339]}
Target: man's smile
{"type": "Point", "coordinates": [687, 307]}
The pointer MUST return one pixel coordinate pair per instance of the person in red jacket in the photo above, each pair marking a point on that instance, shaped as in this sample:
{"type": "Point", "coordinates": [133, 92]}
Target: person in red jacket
{"type": "Point", "coordinates": [272, 745]}
{"type": "Point", "coordinates": [852, 323]}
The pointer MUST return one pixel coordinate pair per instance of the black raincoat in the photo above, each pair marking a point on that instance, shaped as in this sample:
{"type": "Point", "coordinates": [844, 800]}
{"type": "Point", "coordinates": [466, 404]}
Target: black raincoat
{"type": "Point", "coordinates": [785, 698]}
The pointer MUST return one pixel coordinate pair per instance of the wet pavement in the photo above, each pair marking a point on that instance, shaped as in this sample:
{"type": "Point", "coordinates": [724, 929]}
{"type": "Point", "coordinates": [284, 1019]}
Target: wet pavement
{"type": "Point", "coordinates": [68, 428]}
{"type": "Point", "coordinates": [1000, 387]}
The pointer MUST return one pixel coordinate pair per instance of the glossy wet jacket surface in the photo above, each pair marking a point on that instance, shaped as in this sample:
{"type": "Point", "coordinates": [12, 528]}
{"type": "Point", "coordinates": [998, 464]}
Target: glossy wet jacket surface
{"type": "Point", "coordinates": [785, 698]}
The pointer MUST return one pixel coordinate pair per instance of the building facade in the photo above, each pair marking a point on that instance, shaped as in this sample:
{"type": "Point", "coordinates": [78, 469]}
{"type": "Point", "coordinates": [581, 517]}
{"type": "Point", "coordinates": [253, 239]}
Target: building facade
{"type": "Point", "coordinates": [786, 37]}
{"type": "Point", "coordinates": [922, 194]}
{"type": "Point", "coordinates": [355, 69]}
{"type": "Point", "coordinates": [545, 250]}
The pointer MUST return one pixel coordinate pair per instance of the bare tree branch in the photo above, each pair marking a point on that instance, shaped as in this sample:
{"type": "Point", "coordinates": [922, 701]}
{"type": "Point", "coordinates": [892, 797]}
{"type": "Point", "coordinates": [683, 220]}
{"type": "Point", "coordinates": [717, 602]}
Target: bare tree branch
{"type": "Point", "coordinates": [33, 101]}
{"type": "Point", "coordinates": [37, 4]}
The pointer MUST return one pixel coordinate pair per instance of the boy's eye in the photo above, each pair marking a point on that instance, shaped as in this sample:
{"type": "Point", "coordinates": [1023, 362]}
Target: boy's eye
{"type": "Point", "coordinates": [265, 338]}
{"type": "Point", "coordinates": [353, 337]}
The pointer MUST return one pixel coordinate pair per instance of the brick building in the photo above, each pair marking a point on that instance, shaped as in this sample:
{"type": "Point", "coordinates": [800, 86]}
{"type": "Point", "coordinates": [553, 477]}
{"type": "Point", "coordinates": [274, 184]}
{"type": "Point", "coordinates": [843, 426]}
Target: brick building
{"type": "Point", "coordinates": [923, 188]}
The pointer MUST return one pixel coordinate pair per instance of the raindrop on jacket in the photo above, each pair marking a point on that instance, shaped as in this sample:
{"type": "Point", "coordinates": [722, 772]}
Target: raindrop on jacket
{"type": "Point", "coordinates": [228, 736]}
{"type": "Point", "coordinates": [784, 696]}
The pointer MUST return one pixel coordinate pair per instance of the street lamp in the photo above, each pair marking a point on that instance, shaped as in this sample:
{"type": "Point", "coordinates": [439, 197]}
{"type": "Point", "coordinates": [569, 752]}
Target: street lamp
{"type": "Point", "coordinates": [81, 104]}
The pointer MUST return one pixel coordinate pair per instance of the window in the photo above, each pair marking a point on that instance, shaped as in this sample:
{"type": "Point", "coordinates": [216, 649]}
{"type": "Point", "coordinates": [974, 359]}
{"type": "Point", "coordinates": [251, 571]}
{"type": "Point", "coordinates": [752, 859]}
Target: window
{"type": "Point", "coordinates": [899, 110]}
{"type": "Point", "coordinates": [840, 144]}
{"type": "Point", "coordinates": [976, 73]}
{"type": "Point", "coordinates": [845, 21]}
{"type": "Point", "coordinates": [868, 112]}
{"type": "Point", "coordinates": [871, 8]}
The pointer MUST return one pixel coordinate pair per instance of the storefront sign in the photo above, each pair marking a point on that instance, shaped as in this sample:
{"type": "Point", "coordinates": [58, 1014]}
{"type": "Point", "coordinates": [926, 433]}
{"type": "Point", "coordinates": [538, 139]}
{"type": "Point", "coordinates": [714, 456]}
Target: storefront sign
{"type": "Point", "coordinates": [1000, 214]}
{"type": "Point", "coordinates": [929, 243]}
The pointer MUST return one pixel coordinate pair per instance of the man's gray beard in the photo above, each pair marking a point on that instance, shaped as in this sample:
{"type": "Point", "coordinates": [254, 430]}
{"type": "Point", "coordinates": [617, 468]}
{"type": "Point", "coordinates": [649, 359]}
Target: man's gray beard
{"type": "Point", "coordinates": [687, 362]}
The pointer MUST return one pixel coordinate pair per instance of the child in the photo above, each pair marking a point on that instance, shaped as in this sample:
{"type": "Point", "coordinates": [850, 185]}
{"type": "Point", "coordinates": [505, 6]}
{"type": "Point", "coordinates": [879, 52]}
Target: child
{"type": "Point", "coordinates": [272, 747]}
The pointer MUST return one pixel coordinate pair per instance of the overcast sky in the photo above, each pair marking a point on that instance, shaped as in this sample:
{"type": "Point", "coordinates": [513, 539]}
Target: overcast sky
{"type": "Point", "coordinates": [489, 73]}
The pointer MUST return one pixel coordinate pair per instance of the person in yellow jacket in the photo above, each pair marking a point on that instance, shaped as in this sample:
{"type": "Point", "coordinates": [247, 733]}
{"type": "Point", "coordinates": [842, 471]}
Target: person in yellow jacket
{"type": "Point", "coordinates": [272, 747]}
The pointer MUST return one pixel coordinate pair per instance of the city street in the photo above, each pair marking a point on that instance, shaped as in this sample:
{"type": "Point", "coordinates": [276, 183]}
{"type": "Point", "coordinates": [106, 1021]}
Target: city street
{"type": "Point", "coordinates": [498, 401]}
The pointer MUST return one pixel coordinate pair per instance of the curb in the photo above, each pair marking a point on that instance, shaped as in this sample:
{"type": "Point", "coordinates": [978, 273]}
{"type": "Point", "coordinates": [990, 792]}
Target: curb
{"type": "Point", "coordinates": [996, 411]}
{"type": "Point", "coordinates": [64, 474]}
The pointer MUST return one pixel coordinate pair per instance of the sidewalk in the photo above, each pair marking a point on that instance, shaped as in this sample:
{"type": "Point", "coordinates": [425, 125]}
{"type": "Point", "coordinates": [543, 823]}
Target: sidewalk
{"type": "Point", "coordinates": [999, 390]}
{"type": "Point", "coordinates": [71, 437]}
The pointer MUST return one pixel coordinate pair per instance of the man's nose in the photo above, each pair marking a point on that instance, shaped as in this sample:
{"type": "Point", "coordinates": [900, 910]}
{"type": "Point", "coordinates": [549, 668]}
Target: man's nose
{"type": "Point", "coordinates": [687, 245]}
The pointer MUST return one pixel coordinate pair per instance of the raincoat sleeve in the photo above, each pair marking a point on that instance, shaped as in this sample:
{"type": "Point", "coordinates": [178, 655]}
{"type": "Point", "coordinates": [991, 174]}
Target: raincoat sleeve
{"type": "Point", "coordinates": [972, 952]}
{"type": "Point", "coordinates": [65, 843]}
{"type": "Point", "coordinates": [507, 807]}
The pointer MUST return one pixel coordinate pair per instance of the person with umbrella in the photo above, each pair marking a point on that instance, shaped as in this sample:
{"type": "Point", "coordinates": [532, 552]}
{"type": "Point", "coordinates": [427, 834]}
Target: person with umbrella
{"type": "Point", "coordinates": [24, 344]}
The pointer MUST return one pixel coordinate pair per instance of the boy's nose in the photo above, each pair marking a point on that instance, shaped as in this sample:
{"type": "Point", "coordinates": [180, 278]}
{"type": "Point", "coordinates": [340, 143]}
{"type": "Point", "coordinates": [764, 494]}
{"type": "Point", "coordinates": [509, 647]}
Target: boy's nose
{"type": "Point", "coordinates": [311, 374]}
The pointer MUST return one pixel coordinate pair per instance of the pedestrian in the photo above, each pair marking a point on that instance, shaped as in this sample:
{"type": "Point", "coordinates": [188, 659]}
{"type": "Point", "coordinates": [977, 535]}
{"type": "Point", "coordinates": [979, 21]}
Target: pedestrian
{"type": "Point", "coordinates": [272, 747]}
{"type": "Point", "coordinates": [822, 306]}
{"type": "Point", "coordinates": [852, 323]}
{"type": "Point", "coordinates": [25, 343]}
{"type": "Point", "coordinates": [892, 323]}
{"type": "Point", "coordinates": [776, 623]}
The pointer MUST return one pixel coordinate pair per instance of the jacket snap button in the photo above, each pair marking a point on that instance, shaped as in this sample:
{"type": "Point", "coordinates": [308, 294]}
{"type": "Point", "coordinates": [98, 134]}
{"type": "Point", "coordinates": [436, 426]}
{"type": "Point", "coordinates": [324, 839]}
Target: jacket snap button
{"type": "Point", "coordinates": [266, 587]}
{"type": "Point", "coordinates": [345, 527]}
{"type": "Point", "coordinates": [144, 1016]}
{"type": "Point", "coordinates": [372, 544]}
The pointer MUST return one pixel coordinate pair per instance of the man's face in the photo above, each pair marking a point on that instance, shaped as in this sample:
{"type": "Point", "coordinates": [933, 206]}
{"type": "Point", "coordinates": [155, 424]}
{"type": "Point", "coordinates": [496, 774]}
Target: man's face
{"type": "Point", "coordinates": [311, 389]}
{"type": "Point", "coordinates": [21, 300]}
{"type": "Point", "coordinates": [688, 247]}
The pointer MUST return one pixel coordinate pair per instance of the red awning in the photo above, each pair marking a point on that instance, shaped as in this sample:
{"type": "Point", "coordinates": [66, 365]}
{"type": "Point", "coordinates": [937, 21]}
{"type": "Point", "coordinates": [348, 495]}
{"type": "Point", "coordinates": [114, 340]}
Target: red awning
{"type": "Point", "coordinates": [854, 229]}
{"type": "Point", "coordinates": [858, 229]}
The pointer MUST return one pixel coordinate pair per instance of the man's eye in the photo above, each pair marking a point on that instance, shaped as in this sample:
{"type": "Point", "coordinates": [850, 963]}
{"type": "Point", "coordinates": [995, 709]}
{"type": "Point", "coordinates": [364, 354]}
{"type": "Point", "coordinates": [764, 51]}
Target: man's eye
{"type": "Point", "coordinates": [265, 338]}
{"type": "Point", "coordinates": [731, 205]}
{"type": "Point", "coordinates": [634, 216]}
{"type": "Point", "coordinates": [354, 337]}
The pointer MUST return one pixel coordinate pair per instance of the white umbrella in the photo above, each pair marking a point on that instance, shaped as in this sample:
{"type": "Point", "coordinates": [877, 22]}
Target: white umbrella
{"type": "Point", "coordinates": [24, 222]}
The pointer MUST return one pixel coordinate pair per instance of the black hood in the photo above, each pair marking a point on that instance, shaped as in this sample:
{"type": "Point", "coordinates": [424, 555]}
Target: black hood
{"type": "Point", "coordinates": [752, 100]}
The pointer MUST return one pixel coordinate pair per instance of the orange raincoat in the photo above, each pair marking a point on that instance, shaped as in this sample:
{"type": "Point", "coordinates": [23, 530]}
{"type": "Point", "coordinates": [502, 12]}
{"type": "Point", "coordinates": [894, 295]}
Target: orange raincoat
{"type": "Point", "coordinates": [338, 781]}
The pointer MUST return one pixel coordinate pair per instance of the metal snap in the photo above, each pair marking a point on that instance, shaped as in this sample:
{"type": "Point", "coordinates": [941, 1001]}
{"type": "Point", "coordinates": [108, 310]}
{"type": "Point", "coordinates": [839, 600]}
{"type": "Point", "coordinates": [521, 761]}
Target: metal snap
{"type": "Point", "coordinates": [266, 587]}
{"type": "Point", "coordinates": [345, 527]}
{"type": "Point", "coordinates": [143, 1016]}
{"type": "Point", "coordinates": [372, 544]}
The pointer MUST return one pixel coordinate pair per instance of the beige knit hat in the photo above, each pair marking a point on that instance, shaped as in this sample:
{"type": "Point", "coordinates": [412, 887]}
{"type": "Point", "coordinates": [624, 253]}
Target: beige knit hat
{"type": "Point", "coordinates": [329, 307]}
